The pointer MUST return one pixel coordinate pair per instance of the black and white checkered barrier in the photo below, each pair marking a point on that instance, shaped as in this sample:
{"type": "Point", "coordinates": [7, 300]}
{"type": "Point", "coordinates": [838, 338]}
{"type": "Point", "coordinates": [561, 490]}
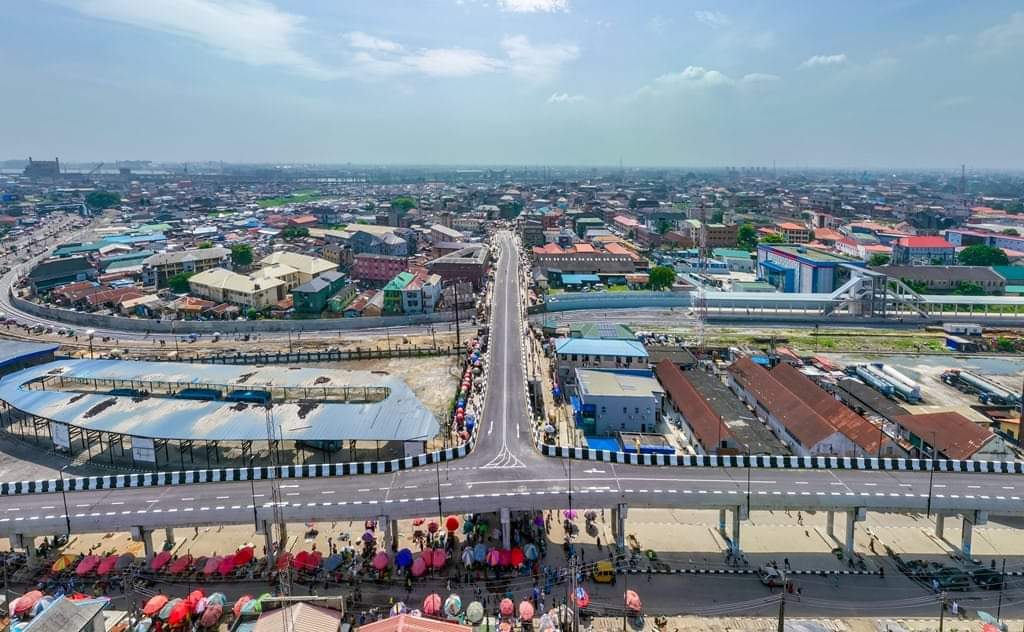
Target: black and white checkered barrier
{"type": "Point", "coordinates": [786, 462]}
{"type": "Point", "coordinates": [234, 474]}
{"type": "Point", "coordinates": [735, 571]}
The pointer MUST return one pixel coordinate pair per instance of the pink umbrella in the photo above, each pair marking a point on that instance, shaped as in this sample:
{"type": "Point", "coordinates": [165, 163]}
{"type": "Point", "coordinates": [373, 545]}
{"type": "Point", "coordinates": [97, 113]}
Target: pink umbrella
{"type": "Point", "coordinates": [570, 514]}
{"type": "Point", "coordinates": [380, 561]}
{"type": "Point", "coordinates": [439, 558]}
{"type": "Point", "coordinates": [226, 565]}
{"type": "Point", "coordinates": [161, 558]}
{"type": "Point", "coordinates": [212, 615]}
{"type": "Point", "coordinates": [633, 601]}
{"type": "Point", "coordinates": [506, 607]}
{"type": "Point", "coordinates": [87, 565]}
{"type": "Point", "coordinates": [211, 566]}
{"type": "Point", "coordinates": [505, 557]}
{"type": "Point", "coordinates": [432, 604]}
{"type": "Point", "coordinates": [432, 526]}
{"type": "Point", "coordinates": [428, 557]}
{"type": "Point", "coordinates": [107, 564]}
{"type": "Point", "coordinates": [525, 610]}
{"type": "Point", "coordinates": [419, 567]}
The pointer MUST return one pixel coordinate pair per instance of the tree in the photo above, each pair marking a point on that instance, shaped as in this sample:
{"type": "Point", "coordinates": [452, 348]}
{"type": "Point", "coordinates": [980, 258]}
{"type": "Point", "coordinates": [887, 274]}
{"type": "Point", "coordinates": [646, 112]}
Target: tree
{"type": "Point", "coordinates": [663, 226]}
{"type": "Point", "coordinates": [403, 203]}
{"type": "Point", "coordinates": [661, 277]}
{"type": "Point", "coordinates": [964, 288]}
{"type": "Point", "coordinates": [179, 282]}
{"type": "Point", "coordinates": [203, 245]}
{"type": "Point", "coordinates": [982, 255]}
{"type": "Point", "coordinates": [717, 217]}
{"type": "Point", "coordinates": [918, 286]}
{"type": "Point", "coordinates": [1013, 232]}
{"type": "Point", "coordinates": [771, 238]}
{"type": "Point", "coordinates": [253, 313]}
{"type": "Point", "coordinates": [101, 199]}
{"type": "Point", "coordinates": [241, 255]}
{"type": "Point", "coordinates": [746, 237]}
{"type": "Point", "coordinates": [294, 232]}
{"type": "Point", "coordinates": [878, 259]}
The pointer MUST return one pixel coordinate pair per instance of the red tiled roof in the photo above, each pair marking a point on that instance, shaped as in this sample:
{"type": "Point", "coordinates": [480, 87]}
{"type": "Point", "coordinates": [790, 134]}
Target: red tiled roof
{"type": "Point", "coordinates": [585, 248]}
{"type": "Point", "coordinates": [856, 428]}
{"type": "Point", "coordinates": [617, 249]}
{"type": "Point", "coordinates": [800, 420]}
{"type": "Point", "coordinates": [790, 226]}
{"type": "Point", "coordinates": [924, 241]}
{"type": "Point", "coordinates": [409, 623]}
{"type": "Point", "coordinates": [702, 419]}
{"type": "Point", "coordinates": [827, 234]}
{"type": "Point", "coordinates": [953, 434]}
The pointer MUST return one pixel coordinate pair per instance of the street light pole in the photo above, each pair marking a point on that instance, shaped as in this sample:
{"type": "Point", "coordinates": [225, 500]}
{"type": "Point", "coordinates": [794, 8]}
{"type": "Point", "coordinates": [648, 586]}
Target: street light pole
{"type": "Point", "coordinates": [931, 476]}
{"type": "Point", "coordinates": [252, 486]}
{"type": "Point", "coordinates": [64, 497]}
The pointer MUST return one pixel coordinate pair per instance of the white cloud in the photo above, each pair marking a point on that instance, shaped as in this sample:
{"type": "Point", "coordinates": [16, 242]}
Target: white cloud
{"type": "Point", "coordinates": [1003, 37]}
{"type": "Point", "coordinates": [538, 61]}
{"type": "Point", "coordinates": [358, 39]}
{"type": "Point", "coordinates": [451, 62]}
{"type": "Point", "coordinates": [565, 97]}
{"type": "Point", "coordinates": [251, 31]}
{"type": "Point", "coordinates": [759, 77]}
{"type": "Point", "coordinates": [714, 19]}
{"type": "Point", "coordinates": [824, 60]}
{"type": "Point", "coordinates": [695, 75]}
{"type": "Point", "coordinates": [534, 6]}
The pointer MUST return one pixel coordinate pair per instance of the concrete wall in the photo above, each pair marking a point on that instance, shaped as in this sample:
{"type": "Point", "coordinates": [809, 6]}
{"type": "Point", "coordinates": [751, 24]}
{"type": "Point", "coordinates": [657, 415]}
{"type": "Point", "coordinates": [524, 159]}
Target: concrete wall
{"type": "Point", "coordinates": [118, 323]}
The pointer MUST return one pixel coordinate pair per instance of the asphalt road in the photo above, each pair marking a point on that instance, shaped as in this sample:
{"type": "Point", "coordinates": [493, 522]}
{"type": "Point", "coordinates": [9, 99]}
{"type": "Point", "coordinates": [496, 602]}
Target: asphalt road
{"type": "Point", "coordinates": [506, 471]}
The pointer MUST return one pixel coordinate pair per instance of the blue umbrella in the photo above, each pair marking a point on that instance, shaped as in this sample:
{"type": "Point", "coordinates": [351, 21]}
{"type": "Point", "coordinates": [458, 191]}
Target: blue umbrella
{"type": "Point", "coordinates": [333, 562]}
{"type": "Point", "coordinates": [480, 552]}
{"type": "Point", "coordinates": [404, 558]}
{"type": "Point", "coordinates": [531, 551]}
{"type": "Point", "coordinates": [470, 424]}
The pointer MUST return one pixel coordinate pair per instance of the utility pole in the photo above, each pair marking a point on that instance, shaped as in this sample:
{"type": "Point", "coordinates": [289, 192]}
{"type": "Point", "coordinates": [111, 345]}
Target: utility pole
{"type": "Point", "coordinates": [458, 336]}
{"type": "Point", "coordinates": [782, 611]}
{"type": "Point", "coordinates": [1002, 585]}
{"type": "Point", "coordinates": [942, 611]}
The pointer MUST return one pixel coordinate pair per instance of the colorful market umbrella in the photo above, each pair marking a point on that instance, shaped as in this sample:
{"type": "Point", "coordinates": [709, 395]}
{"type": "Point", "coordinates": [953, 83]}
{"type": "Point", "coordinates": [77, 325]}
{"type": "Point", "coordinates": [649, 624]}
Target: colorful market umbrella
{"type": "Point", "coordinates": [143, 625]}
{"type": "Point", "coordinates": [452, 606]}
{"type": "Point", "coordinates": [332, 563]}
{"type": "Point", "coordinates": [26, 602]}
{"type": "Point", "coordinates": [451, 523]}
{"type": "Point", "coordinates": [154, 605]}
{"type": "Point", "coordinates": [180, 565]}
{"type": "Point", "coordinates": [525, 610]}
{"type": "Point", "coordinates": [313, 561]}
{"type": "Point", "coordinates": [380, 561]}
{"type": "Point", "coordinates": [494, 557]}
{"type": "Point", "coordinates": [212, 615]}
{"type": "Point", "coordinates": [368, 536]}
{"type": "Point", "coordinates": [505, 557]}
{"type": "Point", "coordinates": [165, 612]}
{"type": "Point", "coordinates": [570, 514]}
{"type": "Point", "coordinates": [300, 560]}
{"type": "Point", "coordinates": [467, 556]}
{"type": "Point", "coordinates": [244, 555]}
{"type": "Point", "coordinates": [211, 565]}
{"type": "Point", "coordinates": [63, 562]}
{"type": "Point", "coordinates": [506, 607]}
{"type": "Point", "coordinates": [582, 598]}
{"type": "Point", "coordinates": [282, 561]}
{"type": "Point", "coordinates": [440, 558]}
{"type": "Point", "coordinates": [87, 565]}
{"type": "Point", "coordinates": [403, 559]}
{"type": "Point", "coordinates": [432, 604]}
{"type": "Point", "coordinates": [480, 552]}
{"type": "Point", "coordinates": [428, 557]}
{"type": "Point", "coordinates": [398, 608]}
{"type": "Point", "coordinates": [475, 612]}
{"type": "Point", "coordinates": [107, 565]}
{"type": "Point", "coordinates": [179, 614]}
{"type": "Point", "coordinates": [193, 599]}
{"type": "Point", "coordinates": [432, 526]}
{"type": "Point", "coordinates": [418, 522]}
{"type": "Point", "coordinates": [226, 566]}
{"type": "Point", "coordinates": [517, 557]}
{"type": "Point", "coordinates": [530, 551]}
{"type": "Point", "coordinates": [419, 567]}
{"type": "Point", "coordinates": [160, 560]}
{"type": "Point", "coordinates": [237, 609]}
{"type": "Point", "coordinates": [633, 601]}
{"type": "Point", "coordinates": [218, 598]}
{"type": "Point", "coordinates": [127, 559]}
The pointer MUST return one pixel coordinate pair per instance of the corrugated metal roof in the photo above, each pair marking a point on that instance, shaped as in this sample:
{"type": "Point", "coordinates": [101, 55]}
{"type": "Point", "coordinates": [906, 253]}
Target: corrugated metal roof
{"type": "Point", "coordinates": [630, 348]}
{"type": "Point", "coordinates": [399, 417]}
{"type": "Point", "coordinates": [12, 351]}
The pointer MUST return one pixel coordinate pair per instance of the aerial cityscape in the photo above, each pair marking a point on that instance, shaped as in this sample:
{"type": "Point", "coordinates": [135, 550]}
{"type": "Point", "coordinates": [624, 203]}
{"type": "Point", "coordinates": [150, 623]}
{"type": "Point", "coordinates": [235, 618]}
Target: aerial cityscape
{"type": "Point", "coordinates": [556, 315]}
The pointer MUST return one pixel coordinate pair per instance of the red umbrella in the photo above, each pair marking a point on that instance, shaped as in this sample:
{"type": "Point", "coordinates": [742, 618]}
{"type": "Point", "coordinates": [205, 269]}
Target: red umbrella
{"type": "Point", "coordinates": [506, 607]}
{"type": "Point", "coordinates": [211, 615]}
{"type": "Point", "coordinates": [77, 596]}
{"type": "Point", "coordinates": [313, 561]}
{"type": "Point", "coordinates": [299, 561]}
{"type": "Point", "coordinates": [440, 557]}
{"type": "Point", "coordinates": [283, 559]}
{"type": "Point", "coordinates": [226, 565]}
{"type": "Point", "coordinates": [516, 557]}
{"type": "Point", "coordinates": [633, 601]}
{"type": "Point", "coordinates": [154, 605]}
{"type": "Point", "coordinates": [432, 604]}
{"type": "Point", "coordinates": [160, 560]}
{"type": "Point", "coordinates": [505, 557]}
{"type": "Point", "coordinates": [180, 565]}
{"type": "Point", "coordinates": [419, 567]}
{"type": "Point", "coordinates": [243, 556]}
{"type": "Point", "coordinates": [194, 598]}
{"type": "Point", "coordinates": [525, 610]}
{"type": "Point", "coordinates": [244, 599]}
{"type": "Point", "coordinates": [451, 523]}
{"type": "Point", "coordinates": [418, 522]}
{"type": "Point", "coordinates": [380, 561]}
{"type": "Point", "coordinates": [87, 565]}
{"type": "Point", "coordinates": [107, 564]}
{"type": "Point", "coordinates": [211, 565]}
{"type": "Point", "coordinates": [179, 614]}
{"type": "Point", "coordinates": [432, 526]}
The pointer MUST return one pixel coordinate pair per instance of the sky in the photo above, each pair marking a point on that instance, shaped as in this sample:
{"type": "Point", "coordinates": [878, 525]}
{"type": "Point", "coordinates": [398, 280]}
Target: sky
{"type": "Point", "coordinates": [886, 83]}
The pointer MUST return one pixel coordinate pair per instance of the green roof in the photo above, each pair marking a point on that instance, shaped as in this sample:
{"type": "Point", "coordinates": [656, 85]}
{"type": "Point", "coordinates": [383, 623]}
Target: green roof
{"type": "Point", "coordinates": [1010, 273]}
{"type": "Point", "coordinates": [401, 280]}
{"type": "Point", "coordinates": [1014, 289]}
{"type": "Point", "coordinates": [731, 253]}
{"type": "Point", "coordinates": [605, 331]}
{"type": "Point", "coordinates": [809, 253]}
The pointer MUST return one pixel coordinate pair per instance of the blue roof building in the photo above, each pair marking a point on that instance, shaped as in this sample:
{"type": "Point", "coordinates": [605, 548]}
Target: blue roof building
{"type": "Point", "coordinates": [587, 353]}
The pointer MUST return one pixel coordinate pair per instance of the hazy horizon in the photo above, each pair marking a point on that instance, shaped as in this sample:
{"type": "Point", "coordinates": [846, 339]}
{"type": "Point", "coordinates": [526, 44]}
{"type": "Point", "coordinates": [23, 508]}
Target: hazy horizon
{"type": "Point", "coordinates": [913, 85]}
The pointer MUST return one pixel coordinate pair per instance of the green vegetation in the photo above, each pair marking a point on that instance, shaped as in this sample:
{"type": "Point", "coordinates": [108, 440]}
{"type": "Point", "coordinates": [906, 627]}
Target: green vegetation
{"type": "Point", "coordinates": [878, 259]}
{"type": "Point", "coordinates": [97, 200]}
{"type": "Point", "coordinates": [253, 314]}
{"type": "Point", "coordinates": [1012, 232]}
{"type": "Point", "coordinates": [204, 245]}
{"type": "Point", "coordinates": [746, 237]}
{"type": "Point", "coordinates": [179, 282]}
{"type": "Point", "coordinates": [295, 198]}
{"type": "Point", "coordinates": [618, 288]}
{"type": "Point", "coordinates": [294, 232]}
{"type": "Point", "coordinates": [982, 255]}
{"type": "Point", "coordinates": [403, 203]}
{"type": "Point", "coordinates": [661, 277]}
{"type": "Point", "coordinates": [968, 289]}
{"type": "Point", "coordinates": [663, 226]}
{"type": "Point", "coordinates": [771, 238]}
{"type": "Point", "coordinates": [241, 255]}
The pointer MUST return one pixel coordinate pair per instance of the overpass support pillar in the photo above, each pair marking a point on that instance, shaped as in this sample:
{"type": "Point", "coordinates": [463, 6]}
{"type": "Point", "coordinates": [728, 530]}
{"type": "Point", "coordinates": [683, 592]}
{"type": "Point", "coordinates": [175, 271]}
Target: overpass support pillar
{"type": "Point", "coordinates": [506, 528]}
{"type": "Point", "coordinates": [853, 516]}
{"type": "Point", "coordinates": [393, 532]}
{"type": "Point", "coordinates": [267, 529]}
{"type": "Point", "coordinates": [830, 524]}
{"type": "Point", "coordinates": [721, 522]}
{"type": "Point", "coordinates": [139, 534]}
{"type": "Point", "coordinates": [169, 535]}
{"type": "Point", "coordinates": [940, 526]}
{"type": "Point", "coordinates": [27, 542]}
{"type": "Point", "coordinates": [978, 518]}
{"type": "Point", "coordinates": [619, 513]}
{"type": "Point", "coordinates": [739, 514]}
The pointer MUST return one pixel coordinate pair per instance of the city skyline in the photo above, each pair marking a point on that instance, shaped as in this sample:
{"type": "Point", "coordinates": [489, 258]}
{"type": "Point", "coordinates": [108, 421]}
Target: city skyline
{"type": "Point", "coordinates": [512, 82]}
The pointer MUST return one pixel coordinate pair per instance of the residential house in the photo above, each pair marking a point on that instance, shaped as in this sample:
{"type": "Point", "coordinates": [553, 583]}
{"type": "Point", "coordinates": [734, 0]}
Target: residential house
{"type": "Point", "coordinates": [160, 267]}
{"type": "Point", "coordinates": [393, 292]}
{"type": "Point", "coordinates": [225, 286]}
{"type": "Point", "coordinates": [307, 267]}
{"type": "Point", "coordinates": [587, 353]}
{"type": "Point", "coordinates": [608, 402]}
{"type": "Point", "coordinates": [923, 250]}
